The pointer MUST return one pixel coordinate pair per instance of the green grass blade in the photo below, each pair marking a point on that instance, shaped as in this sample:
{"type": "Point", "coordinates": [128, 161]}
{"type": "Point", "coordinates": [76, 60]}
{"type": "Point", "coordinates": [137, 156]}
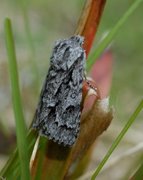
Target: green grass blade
{"type": "Point", "coordinates": [17, 105]}
{"type": "Point", "coordinates": [13, 161]}
{"type": "Point", "coordinates": [139, 173]}
{"type": "Point", "coordinates": [108, 39]}
{"type": "Point", "coordinates": [118, 139]}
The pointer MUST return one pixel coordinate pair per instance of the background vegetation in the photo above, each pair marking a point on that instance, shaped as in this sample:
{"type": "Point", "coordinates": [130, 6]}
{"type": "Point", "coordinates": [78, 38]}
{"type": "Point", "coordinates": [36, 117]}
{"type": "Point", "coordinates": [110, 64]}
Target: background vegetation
{"type": "Point", "coordinates": [35, 34]}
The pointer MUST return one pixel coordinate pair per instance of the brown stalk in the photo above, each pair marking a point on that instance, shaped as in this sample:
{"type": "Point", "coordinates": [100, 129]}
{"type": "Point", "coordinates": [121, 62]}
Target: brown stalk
{"type": "Point", "coordinates": [89, 21]}
{"type": "Point", "coordinates": [54, 161]}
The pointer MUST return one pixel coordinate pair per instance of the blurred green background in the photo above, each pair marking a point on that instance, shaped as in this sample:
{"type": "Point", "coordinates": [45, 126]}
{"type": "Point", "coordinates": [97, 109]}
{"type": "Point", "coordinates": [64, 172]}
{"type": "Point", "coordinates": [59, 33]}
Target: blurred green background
{"type": "Point", "coordinates": [36, 26]}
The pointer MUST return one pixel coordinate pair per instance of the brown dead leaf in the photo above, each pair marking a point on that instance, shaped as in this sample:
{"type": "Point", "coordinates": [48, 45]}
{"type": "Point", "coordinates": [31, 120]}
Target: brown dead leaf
{"type": "Point", "coordinates": [93, 123]}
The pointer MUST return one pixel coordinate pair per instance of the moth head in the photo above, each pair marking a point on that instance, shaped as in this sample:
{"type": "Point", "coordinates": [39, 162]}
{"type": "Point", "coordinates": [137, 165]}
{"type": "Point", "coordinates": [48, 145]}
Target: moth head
{"type": "Point", "coordinates": [76, 50]}
{"type": "Point", "coordinates": [66, 52]}
{"type": "Point", "coordinates": [79, 40]}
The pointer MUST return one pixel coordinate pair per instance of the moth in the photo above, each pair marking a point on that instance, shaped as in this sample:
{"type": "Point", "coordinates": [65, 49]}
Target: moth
{"type": "Point", "coordinates": [58, 114]}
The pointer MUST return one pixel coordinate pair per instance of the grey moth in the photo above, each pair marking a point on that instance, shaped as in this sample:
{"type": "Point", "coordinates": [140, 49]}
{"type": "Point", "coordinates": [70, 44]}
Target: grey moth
{"type": "Point", "coordinates": [58, 114]}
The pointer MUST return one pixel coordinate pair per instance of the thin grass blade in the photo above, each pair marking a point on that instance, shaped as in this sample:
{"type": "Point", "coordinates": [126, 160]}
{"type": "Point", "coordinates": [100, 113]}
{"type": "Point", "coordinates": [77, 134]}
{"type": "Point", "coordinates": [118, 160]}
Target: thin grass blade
{"type": "Point", "coordinates": [17, 105]}
{"type": "Point", "coordinates": [111, 35]}
{"type": "Point", "coordinates": [118, 139]}
{"type": "Point", "coordinates": [138, 174]}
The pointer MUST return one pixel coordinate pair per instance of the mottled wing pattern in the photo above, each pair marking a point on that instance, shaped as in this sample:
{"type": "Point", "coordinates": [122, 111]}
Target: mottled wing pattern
{"type": "Point", "coordinates": [58, 113]}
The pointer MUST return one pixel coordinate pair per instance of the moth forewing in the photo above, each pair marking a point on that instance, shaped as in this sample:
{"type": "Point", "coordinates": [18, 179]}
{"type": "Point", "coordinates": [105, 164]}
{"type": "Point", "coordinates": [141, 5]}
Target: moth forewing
{"type": "Point", "coordinates": [58, 114]}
